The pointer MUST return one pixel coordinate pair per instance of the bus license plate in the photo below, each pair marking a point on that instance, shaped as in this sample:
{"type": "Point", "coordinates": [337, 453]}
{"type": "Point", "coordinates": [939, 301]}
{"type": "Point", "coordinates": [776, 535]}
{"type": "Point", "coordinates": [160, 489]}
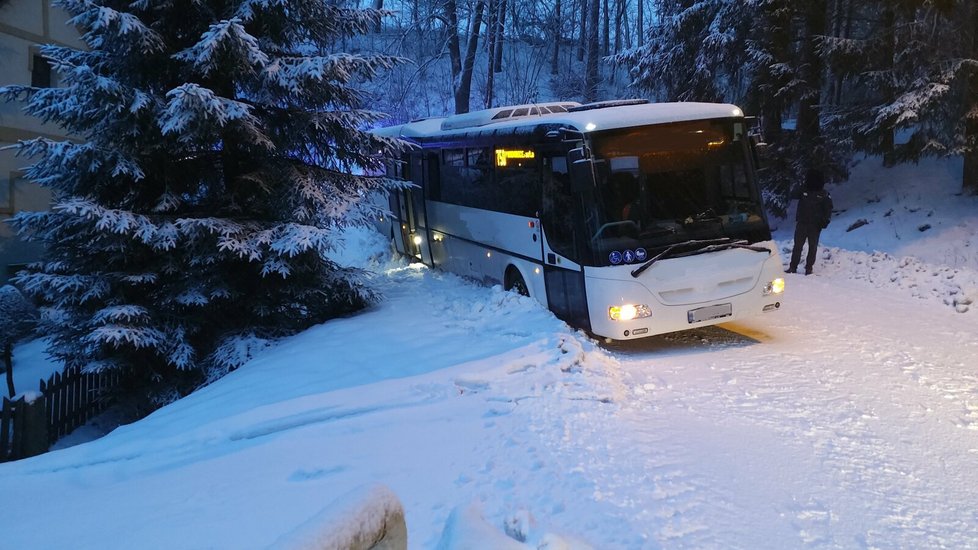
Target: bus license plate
{"type": "Point", "coordinates": [709, 313]}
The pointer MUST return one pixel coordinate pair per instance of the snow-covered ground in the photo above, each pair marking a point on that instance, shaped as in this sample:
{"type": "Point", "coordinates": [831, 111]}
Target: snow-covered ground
{"type": "Point", "coordinates": [849, 419]}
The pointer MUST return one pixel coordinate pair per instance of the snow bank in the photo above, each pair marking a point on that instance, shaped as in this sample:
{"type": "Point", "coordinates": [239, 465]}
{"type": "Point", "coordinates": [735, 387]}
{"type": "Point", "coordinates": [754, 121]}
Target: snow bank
{"type": "Point", "coordinates": [956, 288]}
{"type": "Point", "coordinates": [360, 519]}
{"type": "Point", "coordinates": [467, 529]}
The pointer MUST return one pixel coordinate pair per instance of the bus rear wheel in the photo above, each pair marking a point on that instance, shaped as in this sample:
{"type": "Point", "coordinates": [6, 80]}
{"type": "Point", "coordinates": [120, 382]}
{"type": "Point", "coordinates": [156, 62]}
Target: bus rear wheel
{"type": "Point", "coordinates": [515, 283]}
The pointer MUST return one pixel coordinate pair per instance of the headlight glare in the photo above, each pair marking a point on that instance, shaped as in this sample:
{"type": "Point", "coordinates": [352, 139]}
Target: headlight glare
{"type": "Point", "coordinates": [774, 287]}
{"type": "Point", "coordinates": [627, 312]}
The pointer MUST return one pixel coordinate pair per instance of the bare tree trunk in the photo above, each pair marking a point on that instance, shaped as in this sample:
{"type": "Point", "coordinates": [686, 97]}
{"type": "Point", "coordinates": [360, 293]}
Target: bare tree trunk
{"type": "Point", "coordinates": [500, 33]}
{"type": "Point", "coordinates": [619, 23]}
{"type": "Point", "coordinates": [464, 89]}
{"type": "Point", "coordinates": [454, 45]}
{"type": "Point", "coordinates": [640, 23]}
{"type": "Point", "coordinates": [969, 178]}
{"type": "Point", "coordinates": [890, 45]}
{"type": "Point", "coordinates": [619, 17]}
{"type": "Point", "coordinates": [593, 45]}
{"type": "Point", "coordinates": [491, 38]}
{"type": "Point", "coordinates": [582, 42]}
{"type": "Point", "coordinates": [557, 26]}
{"type": "Point", "coordinates": [778, 20]}
{"type": "Point", "coordinates": [809, 105]}
{"type": "Point", "coordinates": [606, 36]}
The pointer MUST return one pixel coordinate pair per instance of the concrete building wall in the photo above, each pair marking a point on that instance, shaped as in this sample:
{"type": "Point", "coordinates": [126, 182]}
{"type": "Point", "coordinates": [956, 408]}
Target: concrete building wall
{"type": "Point", "coordinates": [24, 25]}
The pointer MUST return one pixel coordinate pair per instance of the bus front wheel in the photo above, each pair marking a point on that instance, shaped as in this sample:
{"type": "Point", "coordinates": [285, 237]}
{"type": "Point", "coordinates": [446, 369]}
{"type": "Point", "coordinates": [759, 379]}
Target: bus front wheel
{"type": "Point", "coordinates": [515, 282]}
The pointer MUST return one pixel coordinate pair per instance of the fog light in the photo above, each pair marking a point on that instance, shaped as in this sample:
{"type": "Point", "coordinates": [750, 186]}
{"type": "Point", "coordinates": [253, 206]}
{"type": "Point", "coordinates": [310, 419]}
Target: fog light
{"type": "Point", "coordinates": [774, 287]}
{"type": "Point", "coordinates": [628, 312]}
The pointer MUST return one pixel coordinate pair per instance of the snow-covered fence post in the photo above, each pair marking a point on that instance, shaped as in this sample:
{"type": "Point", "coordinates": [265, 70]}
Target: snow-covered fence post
{"type": "Point", "coordinates": [23, 427]}
{"type": "Point", "coordinates": [35, 425]}
{"type": "Point", "coordinates": [6, 421]}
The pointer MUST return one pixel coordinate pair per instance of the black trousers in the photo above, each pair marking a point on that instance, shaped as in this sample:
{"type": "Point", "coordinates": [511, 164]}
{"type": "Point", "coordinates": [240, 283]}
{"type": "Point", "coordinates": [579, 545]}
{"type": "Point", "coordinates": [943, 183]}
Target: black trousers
{"type": "Point", "coordinates": [805, 232]}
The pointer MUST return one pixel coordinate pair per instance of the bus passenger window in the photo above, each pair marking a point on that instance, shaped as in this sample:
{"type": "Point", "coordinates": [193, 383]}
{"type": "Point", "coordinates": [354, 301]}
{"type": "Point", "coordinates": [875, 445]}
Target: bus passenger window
{"type": "Point", "coordinates": [453, 162]}
{"type": "Point", "coordinates": [477, 178]}
{"type": "Point", "coordinates": [517, 189]}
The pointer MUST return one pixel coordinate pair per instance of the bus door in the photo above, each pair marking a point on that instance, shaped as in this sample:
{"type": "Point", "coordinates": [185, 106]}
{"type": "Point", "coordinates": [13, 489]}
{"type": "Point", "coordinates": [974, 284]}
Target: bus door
{"type": "Point", "coordinates": [563, 223]}
{"type": "Point", "coordinates": [414, 228]}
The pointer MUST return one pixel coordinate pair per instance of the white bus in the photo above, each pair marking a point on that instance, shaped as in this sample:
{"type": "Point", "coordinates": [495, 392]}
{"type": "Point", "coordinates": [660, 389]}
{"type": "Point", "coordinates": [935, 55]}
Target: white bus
{"type": "Point", "coordinates": [624, 218]}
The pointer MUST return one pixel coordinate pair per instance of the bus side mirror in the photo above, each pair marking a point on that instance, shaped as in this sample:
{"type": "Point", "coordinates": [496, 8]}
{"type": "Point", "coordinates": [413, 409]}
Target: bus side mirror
{"type": "Point", "coordinates": [578, 154]}
{"type": "Point", "coordinates": [567, 135]}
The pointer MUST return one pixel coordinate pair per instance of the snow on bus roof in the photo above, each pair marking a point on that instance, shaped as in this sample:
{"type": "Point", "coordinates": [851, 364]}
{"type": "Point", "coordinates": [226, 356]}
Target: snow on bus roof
{"type": "Point", "coordinates": [582, 119]}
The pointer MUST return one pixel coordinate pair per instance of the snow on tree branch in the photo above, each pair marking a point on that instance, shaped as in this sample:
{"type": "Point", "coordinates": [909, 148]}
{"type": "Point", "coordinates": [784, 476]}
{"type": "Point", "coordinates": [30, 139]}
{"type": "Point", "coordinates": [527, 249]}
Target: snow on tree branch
{"type": "Point", "coordinates": [102, 22]}
{"type": "Point", "coordinates": [224, 36]}
{"type": "Point", "coordinates": [119, 335]}
{"type": "Point", "coordinates": [191, 105]}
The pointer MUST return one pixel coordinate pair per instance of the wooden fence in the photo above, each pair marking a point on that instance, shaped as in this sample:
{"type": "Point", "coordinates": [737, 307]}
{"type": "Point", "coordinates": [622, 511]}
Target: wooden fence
{"type": "Point", "coordinates": [68, 400]}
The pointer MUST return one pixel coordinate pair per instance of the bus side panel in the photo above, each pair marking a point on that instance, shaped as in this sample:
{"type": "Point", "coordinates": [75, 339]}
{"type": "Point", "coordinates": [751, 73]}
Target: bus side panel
{"type": "Point", "coordinates": [496, 230]}
{"type": "Point", "coordinates": [566, 296]}
{"type": "Point", "coordinates": [464, 258]}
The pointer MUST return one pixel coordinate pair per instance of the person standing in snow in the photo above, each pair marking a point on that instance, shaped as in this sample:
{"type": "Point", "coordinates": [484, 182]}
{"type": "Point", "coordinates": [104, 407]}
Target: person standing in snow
{"type": "Point", "coordinates": [813, 214]}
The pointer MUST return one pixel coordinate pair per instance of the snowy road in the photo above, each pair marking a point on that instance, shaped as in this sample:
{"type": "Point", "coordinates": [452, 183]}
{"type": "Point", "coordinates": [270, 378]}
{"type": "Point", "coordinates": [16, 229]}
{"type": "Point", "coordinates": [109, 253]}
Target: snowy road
{"type": "Point", "coordinates": [849, 419]}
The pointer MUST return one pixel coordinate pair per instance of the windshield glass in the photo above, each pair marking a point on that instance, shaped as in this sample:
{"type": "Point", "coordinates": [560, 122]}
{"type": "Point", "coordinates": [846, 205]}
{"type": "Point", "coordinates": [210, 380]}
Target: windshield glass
{"type": "Point", "coordinates": [665, 184]}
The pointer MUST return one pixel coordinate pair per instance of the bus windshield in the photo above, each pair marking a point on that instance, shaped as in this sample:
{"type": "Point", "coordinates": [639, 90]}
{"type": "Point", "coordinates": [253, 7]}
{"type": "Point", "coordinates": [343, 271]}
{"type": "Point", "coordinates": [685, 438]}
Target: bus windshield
{"type": "Point", "coordinates": [671, 183]}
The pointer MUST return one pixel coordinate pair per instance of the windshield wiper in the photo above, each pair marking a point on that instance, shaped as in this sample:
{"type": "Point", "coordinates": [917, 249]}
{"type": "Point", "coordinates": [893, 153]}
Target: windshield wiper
{"type": "Point", "coordinates": [708, 245]}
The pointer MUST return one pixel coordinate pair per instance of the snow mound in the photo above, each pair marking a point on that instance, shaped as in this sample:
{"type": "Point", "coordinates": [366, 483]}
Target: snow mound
{"type": "Point", "coordinates": [954, 287]}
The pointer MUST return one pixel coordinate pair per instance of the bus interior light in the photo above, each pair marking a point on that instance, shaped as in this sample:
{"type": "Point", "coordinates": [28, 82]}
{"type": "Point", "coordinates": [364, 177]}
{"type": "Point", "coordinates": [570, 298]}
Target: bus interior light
{"type": "Point", "coordinates": [774, 287]}
{"type": "Point", "coordinates": [628, 312]}
{"type": "Point", "coordinates": [417, 240]}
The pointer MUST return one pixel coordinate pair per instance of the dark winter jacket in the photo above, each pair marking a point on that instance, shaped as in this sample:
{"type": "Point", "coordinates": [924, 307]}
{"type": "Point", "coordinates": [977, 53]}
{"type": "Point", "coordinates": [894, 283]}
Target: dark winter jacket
{"type": "Point", "coordinates": [814, 207]}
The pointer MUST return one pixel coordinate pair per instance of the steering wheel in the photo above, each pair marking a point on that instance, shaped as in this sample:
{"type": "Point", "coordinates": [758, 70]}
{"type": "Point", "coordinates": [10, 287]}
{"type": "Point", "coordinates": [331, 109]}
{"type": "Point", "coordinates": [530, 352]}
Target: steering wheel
{"type": "Point", "coordinates": [623, 223]}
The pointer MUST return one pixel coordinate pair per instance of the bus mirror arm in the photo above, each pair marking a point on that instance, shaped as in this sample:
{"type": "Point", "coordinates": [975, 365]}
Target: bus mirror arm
{"type": "Point", "coordinates": [566, 135]}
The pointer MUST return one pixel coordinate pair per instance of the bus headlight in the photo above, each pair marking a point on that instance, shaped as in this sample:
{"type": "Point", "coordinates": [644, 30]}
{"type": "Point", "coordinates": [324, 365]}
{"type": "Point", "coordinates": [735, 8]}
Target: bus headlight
{"type": "Point", "coordinates": [774, 287]}
{"type": "Point", "coordinates": [628, 312]}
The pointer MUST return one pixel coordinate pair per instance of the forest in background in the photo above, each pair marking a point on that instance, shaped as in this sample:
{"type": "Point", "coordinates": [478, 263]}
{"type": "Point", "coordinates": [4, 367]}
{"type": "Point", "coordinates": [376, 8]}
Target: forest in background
{"type": "Point", "coordinates": [826, 79]}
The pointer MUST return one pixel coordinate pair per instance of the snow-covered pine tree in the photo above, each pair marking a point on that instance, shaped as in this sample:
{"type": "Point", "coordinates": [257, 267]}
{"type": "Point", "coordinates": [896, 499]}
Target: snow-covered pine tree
{"type": "Point", "coordinates": [770, 92]}
{"type": "Point", "coordinates": [878, 57]}
{"type": "Point", "coordinates": [694, 52]}
{"type": "Point", "coordinates": [911, 80]}
{"type": "Point", "coordinates": [221, 143]}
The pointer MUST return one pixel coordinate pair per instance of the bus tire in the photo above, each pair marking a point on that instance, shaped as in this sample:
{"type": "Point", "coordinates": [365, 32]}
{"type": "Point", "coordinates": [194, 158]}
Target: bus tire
{"type": "Point", "coordinates": [515, 282]}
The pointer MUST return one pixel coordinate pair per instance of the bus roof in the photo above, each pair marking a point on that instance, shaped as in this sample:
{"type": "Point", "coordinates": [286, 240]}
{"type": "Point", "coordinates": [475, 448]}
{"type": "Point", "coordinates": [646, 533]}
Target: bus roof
{"type": "Point", "coordinates": [586, 118]}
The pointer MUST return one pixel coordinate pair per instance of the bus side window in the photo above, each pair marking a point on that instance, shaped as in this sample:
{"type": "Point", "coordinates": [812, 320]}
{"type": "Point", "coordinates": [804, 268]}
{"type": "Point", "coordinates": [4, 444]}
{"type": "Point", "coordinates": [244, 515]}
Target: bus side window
{"type": "Point", "coordinates": [453, 162]}
{"type": "Point", "coordinates": [477, 186]}
{"type": "Point", "coordinates": [432, 178]}
{"type": "Point", "coordinates": [517, 189]}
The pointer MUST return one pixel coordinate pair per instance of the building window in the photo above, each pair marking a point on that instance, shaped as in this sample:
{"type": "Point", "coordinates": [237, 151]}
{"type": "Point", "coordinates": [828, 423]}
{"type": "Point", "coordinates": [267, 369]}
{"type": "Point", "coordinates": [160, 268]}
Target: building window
{"type": "Point", "coordinates": [40, 72]}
